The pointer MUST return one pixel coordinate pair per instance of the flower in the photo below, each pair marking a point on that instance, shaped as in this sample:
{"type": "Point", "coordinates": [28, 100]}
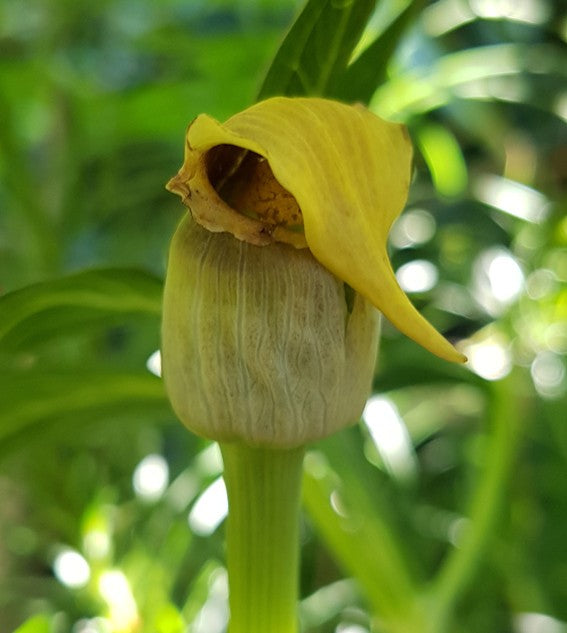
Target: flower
{"type": "Point", "coordinates": [271, 338]}
{"type": "Point", "coordinates": [317, 174]}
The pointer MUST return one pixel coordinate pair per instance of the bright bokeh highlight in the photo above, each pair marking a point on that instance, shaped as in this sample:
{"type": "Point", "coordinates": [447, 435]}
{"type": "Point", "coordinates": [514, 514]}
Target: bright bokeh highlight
{"type": "Point", "coordinates": [498, 280]}
{"type": "Point", "coordinates": [71, 569]}
{"type": "Point", "coordinates": [151, 477]}
{"type": "Point", "coordinates": [511, 197]}
{"type": "Point", "coordinates": [390, 436]}
{"type": "Point", "coordinates": [538, 623]}
{"type": "Point", "coordinates": [413, 228]}
{"type": "Point", "coordinates": [210, 509]}
{"type": "Point", "coordinates": [489, 354]}
{"type": "Point", "coordinates": [213, 616]}
{"type": "Point", "coordinates": [419, 275]}
{"type": "Point", "coordinates": [115, 589]}
{"type": "Point", "coordinates": [153, 364]}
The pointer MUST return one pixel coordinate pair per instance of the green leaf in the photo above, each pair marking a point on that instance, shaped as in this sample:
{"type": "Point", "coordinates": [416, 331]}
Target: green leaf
{"type": "Point", "coordinates": [317, 48]}
{"type": "Point", "coordinates": [110, 291]}
{"type": "Point", "coordinates": [34, 402]}
{"type": "Point", "coordinates": [425, 88]}
{"type": "Point", "coordinates": [368, 70]}
{"type": "Point", "coordinates": [35, 624]}
{"type": "Point", "coordinates": [444, 158]}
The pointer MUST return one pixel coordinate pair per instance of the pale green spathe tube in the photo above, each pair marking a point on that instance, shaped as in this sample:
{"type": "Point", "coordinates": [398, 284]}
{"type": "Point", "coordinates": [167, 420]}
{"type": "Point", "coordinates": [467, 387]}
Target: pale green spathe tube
{"type": "Point", "coordinates": [262, 343]}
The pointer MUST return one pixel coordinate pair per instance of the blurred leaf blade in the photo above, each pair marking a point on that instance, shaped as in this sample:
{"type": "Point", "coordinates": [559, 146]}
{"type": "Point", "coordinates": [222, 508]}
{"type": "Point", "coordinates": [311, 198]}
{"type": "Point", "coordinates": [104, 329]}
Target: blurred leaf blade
{"type": "Point", "coordinates": [317, 48]}
{"type": "Point", "coordinates": [108, 290]}
{"type": "Point", "coordinates": [70, 397]}
{"type": "Point", "coordinates": [368, 70]}
{"type": "Point", "coordinates": [35, 624]}
{"type": "Point", "coordinates": [444, 159]}
{"type": "Point", "coordinates": [422, 89]}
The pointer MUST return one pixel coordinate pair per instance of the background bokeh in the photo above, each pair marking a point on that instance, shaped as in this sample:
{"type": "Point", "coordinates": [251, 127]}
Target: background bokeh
{"type": "Point", "coordinates": [451, 493]}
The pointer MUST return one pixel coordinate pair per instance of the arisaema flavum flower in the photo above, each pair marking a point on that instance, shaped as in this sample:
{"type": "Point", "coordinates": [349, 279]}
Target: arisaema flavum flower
{"type": "Point", "coordinates": [269, 331]}
{"type": "Point", "coordinates": [275, 281]}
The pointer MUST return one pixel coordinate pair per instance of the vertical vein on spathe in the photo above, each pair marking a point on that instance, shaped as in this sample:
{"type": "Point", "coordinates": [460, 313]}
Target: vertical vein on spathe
{"type": "Point", "coordinates": [199, 310]}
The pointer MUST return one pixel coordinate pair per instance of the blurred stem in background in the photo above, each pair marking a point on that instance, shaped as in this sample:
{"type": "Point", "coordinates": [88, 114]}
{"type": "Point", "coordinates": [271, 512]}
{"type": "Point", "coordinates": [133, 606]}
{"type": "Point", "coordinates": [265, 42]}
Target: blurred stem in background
{"type": "Point", "coordinates": [399, 602]}
{"type": "Point", "coordinates": [474, 534]}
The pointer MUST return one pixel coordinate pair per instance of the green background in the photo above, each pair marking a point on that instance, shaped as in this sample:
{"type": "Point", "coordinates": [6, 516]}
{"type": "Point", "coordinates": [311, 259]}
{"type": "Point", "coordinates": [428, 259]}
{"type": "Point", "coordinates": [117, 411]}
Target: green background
{"type": "Point", "coordinates": [463, 520]}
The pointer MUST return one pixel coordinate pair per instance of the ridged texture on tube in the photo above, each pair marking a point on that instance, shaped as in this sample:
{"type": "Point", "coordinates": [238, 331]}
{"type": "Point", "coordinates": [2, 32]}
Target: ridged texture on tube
{"type": "Point", "coordinates": [258, 343]}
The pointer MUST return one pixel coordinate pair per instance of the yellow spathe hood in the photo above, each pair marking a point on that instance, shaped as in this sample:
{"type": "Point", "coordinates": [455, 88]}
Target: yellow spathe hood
{"type": "Point", "coordinates": [349, 172]}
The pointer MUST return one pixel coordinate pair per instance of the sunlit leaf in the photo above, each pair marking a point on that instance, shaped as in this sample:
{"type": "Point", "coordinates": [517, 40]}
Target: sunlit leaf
{"type": "Point", "coordinates": [35, 624]}
{"type": "Point", "coordinates": [444, 158]}
{"type": "Point", "coordinates": [477, 73]}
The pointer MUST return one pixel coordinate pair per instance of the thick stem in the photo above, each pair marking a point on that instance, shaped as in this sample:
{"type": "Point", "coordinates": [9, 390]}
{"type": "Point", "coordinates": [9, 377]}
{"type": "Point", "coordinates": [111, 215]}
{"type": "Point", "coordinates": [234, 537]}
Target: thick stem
{"type": "Point", "coordinates": [264, 491]}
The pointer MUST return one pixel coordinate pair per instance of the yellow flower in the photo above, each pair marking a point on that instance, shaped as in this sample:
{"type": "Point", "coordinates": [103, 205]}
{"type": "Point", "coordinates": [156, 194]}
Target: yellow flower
{"type": "Point", "coordinates": [314, 174]}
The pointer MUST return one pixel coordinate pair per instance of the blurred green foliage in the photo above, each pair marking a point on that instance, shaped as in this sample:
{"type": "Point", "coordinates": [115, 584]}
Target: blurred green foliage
{"type": "Point", "coordinates": [454, 518]}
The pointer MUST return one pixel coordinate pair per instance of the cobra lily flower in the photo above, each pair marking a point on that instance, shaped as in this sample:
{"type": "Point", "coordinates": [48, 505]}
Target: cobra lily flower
{"type": "Point", "coordinates": [309, 175]}
{"type": "Point", "coordinates": [347, 173]}
{"type": "Point", "coordinates": [275, 281]}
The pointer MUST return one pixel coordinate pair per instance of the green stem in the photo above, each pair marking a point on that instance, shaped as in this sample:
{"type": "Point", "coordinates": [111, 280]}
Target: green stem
{"type": "Point", "coordinates": [485, 508]}
{"type": "Point", "coordinates": [264, 492]}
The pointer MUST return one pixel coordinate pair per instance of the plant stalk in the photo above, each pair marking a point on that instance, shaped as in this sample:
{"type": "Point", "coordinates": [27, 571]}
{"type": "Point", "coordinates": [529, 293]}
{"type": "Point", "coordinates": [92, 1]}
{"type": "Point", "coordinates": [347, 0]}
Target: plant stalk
{"type": "Point", "coordinates": [486, 506]}
{"type": "Point", "coordinates": [264, 493]}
